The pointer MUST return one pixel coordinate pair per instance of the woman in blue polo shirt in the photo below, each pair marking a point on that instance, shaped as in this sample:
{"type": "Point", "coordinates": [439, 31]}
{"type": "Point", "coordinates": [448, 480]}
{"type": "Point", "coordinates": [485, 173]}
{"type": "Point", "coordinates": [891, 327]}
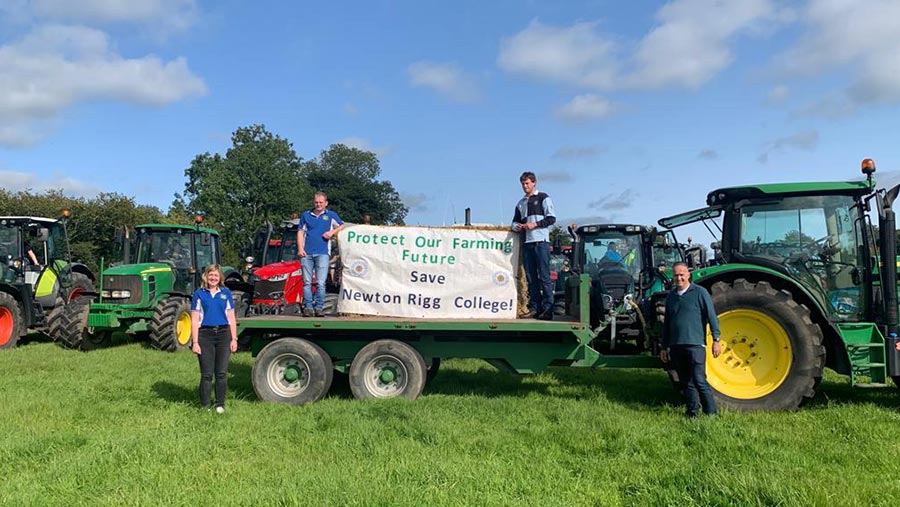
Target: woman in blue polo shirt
{"type": "Point", "coordinates": [214, 332]}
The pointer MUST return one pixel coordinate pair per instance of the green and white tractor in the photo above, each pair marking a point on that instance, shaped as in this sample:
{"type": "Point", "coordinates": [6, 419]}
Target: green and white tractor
{"type": "Point", "coordinates": [37, 277]}
{"type": "Point", "coordinates": [149, 295]}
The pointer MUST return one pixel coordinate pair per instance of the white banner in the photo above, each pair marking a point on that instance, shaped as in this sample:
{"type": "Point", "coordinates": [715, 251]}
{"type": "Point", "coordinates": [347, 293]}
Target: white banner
{"type": "Point", "coordinates": [428, 272]}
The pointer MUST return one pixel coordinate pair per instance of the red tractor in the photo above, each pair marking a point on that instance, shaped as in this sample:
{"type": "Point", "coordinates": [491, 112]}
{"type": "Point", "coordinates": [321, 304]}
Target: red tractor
{"type": "Point", "coordinates": [274, 270]}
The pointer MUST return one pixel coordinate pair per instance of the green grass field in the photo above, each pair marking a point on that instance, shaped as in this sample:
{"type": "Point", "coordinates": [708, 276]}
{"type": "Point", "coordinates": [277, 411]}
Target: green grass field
{"type": "Point", "coordinates": [121, 426]}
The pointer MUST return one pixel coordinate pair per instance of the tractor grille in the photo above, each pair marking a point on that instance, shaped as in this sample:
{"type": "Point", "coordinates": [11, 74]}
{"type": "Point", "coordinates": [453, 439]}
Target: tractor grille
{"type": "Point", "coordinates": [123, 282]}
{"type": "Point", "coordinates": [263, 289]}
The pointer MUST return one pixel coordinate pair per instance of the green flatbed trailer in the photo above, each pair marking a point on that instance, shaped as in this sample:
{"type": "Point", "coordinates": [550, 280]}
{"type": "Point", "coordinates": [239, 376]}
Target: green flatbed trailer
{"type": "Point", "coordinates": [384, 357]}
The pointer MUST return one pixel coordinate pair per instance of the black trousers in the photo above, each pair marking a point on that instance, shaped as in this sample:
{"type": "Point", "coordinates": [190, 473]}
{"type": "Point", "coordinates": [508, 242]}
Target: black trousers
{"type": "Point", "coordinates": [215, 352]}
{"type": "Point", "coordinates": [690, 363]}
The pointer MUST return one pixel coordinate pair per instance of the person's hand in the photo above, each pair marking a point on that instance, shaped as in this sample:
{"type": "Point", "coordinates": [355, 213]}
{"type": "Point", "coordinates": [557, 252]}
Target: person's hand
{"type": "Point", "coordinates": [328, 234]}
{"type": "Point", "coordinates": [516, 227]}
{"type": "Point", "coordinates": [664, 355]}
{"type": "Point", "coordinates": [717, 349]}
{"type": "Point", "coordinates": [530, 225]}
{"type": "Point", "coordinates": [195, 348]}
{"type": "Point", "coordinates": [301, 252]}
{"type": "Point", "coordinates": [233, 345]}
{"type": "Point", "coordinates": [898, 346]}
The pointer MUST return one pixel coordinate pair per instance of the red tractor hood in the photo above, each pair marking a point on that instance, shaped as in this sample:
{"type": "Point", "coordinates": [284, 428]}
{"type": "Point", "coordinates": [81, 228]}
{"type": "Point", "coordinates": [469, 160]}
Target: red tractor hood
{"type": "Point", "coordinates": [278, 268]}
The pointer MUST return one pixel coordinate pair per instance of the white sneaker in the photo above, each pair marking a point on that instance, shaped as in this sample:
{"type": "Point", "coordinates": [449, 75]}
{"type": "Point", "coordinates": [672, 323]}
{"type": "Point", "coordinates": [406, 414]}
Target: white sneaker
{"type": "Point", "coordinates": [220, 410]}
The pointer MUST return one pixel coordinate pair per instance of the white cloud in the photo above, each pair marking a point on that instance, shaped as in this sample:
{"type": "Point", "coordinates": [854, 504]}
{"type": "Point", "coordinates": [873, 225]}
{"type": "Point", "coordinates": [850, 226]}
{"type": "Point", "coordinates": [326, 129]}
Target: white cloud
{"type": "Point", "coordinates": [691, 44]}
{"type": "Point", "coordinates": [778, 94]}
{"type": "Point", "coordinates": [584, 108]}
{"type": "Point", "coordinates": [164, 15]}
{"type": "Point", "coordinates": [805, 140]}
{"type": "Point", "coordinates": [56, 66]}
{"type": "Point", "coordinates": [576, 54]}
{"type": "Point", "coordinates": [350, 109]}
{"type": "Point", "coordinates": [613, 202]}
{"type": "Point", "coordinates": [862, 39]}
{"type": "Point", "coordinates": [561, 176]}
{"type": "Point", "coordinates": [17, 181]}
{"type": "Point", "coordinates": [365, 145]}
{"type": "Point", "coordinates": [445, 78]}
{"type": "Point", "coordinates": [415, 202]}
{"type": "Point", "coordinates": [708, 154]}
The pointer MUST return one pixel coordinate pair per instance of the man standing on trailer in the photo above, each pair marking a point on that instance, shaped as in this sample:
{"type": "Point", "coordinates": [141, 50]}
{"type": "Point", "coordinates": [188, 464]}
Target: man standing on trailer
{"type": "Point", "coordinates": [689, 309]}
{"type": "Point", "coordinates": [314, 233]}
{"type": "Point", "coordinates": [534, 216]}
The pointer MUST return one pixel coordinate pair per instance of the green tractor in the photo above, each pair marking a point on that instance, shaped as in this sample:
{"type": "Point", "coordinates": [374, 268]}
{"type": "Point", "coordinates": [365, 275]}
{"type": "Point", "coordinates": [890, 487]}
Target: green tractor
{"type": "Point", "coordinates": [37, 277]}
{"type": "Point", "coordinates": [804, 281]}
{"type": "Point", "coordinates": [150, 294]}
{"type": "Point", "coordinates": [630, 270]}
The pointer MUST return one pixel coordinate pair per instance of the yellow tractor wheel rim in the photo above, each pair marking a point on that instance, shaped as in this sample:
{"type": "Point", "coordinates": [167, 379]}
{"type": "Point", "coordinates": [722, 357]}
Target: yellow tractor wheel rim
{"type": "Point", "coordinates": [183, 329]}
{"type": "Point", "coordinates": [756, 355]}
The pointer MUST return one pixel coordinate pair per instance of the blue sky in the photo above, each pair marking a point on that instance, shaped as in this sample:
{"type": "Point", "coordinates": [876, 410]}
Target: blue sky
{"type": "Point", "coordinates": [627, 111]}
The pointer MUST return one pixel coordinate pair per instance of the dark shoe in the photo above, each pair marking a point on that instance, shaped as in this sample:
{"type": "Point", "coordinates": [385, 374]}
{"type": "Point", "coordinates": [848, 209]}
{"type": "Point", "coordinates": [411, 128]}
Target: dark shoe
{"type": "Point", "coordinates": [308, 312]}
{"type": "Point", "coordinates": [320, 312]}
{"type": "Point", "coordinates": [527, 315]}
{"type": "Point", "coordinates": [548, 315]}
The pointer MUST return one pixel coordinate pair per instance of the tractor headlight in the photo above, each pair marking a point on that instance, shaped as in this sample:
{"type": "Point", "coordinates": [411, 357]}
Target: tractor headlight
{"type": "Point", "coordinates": [116, 294]}
{"type": "Point", "coordinates": [279, 278]}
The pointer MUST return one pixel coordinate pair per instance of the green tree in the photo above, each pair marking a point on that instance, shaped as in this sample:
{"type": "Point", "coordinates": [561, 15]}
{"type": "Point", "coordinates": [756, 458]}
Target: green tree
{"type": "Point", "coordinates": [258, 179]}
{"type": "Point", "coordinates": [348, 176]}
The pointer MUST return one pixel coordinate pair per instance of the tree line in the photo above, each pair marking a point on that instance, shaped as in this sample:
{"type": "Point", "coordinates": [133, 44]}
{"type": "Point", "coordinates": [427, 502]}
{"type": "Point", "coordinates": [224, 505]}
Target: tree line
{"type": "Point", "coordinates": [259, 178]}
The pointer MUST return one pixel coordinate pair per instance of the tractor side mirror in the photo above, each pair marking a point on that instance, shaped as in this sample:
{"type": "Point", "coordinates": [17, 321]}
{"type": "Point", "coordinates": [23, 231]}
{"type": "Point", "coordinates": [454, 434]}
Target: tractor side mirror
{"type": "Point", "coordinates": [43, 234]}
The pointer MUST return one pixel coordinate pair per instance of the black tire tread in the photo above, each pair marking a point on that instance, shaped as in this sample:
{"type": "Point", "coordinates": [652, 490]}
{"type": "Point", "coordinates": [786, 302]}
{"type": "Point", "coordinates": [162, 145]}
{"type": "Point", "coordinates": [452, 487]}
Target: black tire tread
{"type": "Point", "coordinates": [71, 323]}
{"type": "Point", "coordinates": [10, 302]}
{"type": "Point", "coordinates": [320, 364]}
{"type": "Point", "coordinates": [162, 328]}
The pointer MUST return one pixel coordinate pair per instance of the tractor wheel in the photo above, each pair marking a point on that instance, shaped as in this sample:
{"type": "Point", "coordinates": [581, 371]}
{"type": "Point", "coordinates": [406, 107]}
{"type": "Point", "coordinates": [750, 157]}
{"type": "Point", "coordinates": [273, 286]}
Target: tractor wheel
{"type": "Point", "coordinates": [80, 284]}
{"type": "Point", "coordinates": [170, 329]}
{"type": "Point", "coordinates": [292, 371]}
{"type": "Point", "coordinates": [71, 323]}
{"type": "Point", "coordinates": [10, 321]}
{"type": "Point", "coordinates": [387, 369]}
{"type": "Point", "coordinates": [772, 354]}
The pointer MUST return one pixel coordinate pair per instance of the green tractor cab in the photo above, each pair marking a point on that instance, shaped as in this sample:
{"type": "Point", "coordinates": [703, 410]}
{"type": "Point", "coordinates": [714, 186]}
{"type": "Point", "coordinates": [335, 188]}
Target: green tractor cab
{"type": "Point", "coordinates": [630, 269]}
{"type": "Point", "coordinates": [150, 293]}
{"type": "Point", "coordinates": [799, 287]}
{"type": "Point", "coordinates": [37, 277]}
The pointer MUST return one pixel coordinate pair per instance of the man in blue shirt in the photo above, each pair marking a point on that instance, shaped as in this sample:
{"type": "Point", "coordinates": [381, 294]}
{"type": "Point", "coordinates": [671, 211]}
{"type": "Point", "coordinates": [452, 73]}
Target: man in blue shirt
{"type": "Point", "coordinates": [689, 310]}
{"type": "Point", "coordinates": [314, 233]}
{"type": "Point", "coordinates": [534, 216]}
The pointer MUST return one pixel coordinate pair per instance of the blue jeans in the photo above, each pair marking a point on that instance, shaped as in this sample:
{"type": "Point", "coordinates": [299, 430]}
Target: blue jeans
{"type": "Point", "coordinates": [536, 257]}
{"type": "Point", "coordinates": [318, 264]}
{"type": "Point", "coordinates": [690, 363]}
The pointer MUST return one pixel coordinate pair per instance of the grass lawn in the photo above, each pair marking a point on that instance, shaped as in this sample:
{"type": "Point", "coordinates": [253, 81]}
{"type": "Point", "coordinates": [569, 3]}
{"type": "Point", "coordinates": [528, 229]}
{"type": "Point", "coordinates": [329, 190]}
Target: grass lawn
{"type": "Point", "coordinates": [121, 426]}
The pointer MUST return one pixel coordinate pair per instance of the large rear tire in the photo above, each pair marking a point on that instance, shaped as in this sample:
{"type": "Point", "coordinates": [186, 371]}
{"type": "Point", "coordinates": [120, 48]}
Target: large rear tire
{"type": "Point", "coordinates": [292, 371]}
{"type": "Point", "coordinates": [772, 353]}
{"type": "Point", "coordinates": [387, 369]}
{"type": "Point", "coordinates": [170, 329]}
{"type": "Point", "coordinates": [10, 321]}
{"type": "Point", "coordinates": [80, 285]}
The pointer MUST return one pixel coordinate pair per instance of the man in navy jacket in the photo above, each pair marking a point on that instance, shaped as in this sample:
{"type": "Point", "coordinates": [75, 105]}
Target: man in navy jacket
{"type": "Point", "coordinates": [689, 309]}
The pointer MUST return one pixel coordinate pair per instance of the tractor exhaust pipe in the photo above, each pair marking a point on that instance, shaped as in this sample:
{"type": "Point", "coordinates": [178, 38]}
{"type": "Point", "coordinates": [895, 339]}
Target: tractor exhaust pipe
{"type": "Point", "coordinates": [888, 236]}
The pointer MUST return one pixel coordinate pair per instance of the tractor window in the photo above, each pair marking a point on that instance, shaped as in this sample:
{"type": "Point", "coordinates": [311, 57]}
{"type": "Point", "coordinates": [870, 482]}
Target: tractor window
{"type": "Point", "coordinates": [613, 251]}
{"type": "Point", "coordinates": [815, 238]}
{"type": "Point", "coordinates": [206, 254]}
{"type": "Point", "coordinates": [56, 243]}
{"type": "Point", "coordinates": [666, 251]}
{"type": "Point", "coordinates": [8, 242]}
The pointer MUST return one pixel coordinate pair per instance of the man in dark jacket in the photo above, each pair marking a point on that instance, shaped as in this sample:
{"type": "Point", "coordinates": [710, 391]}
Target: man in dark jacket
{"type": "Point", "coordinates": [689, 309]}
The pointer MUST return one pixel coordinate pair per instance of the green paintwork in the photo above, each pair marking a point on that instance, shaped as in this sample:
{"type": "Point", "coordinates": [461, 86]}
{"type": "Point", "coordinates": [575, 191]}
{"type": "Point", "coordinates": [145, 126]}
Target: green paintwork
{"type": "Point", "coordinates": [177, 226]}
{"type": "Point", "coordinates": [819, 187]}
{"type": "Point", "coordinates": [864, 345]}
{"type": "Point", "coordinates": [526, 346]}
{"type": "Point", "coordinates": [292, 374]}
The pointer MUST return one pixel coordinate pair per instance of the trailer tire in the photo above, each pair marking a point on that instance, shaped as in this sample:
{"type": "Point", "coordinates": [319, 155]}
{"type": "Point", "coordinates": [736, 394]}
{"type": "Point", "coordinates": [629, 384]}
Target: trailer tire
{"type": "Point", "coordinates": [10, 321]}
{"type": "Point", "coordinates": [71, 324]}
{"type": "Point", "coordinates": [387, 369]}
{"type": "Point", "coordinates": [767, 330]}
{"type": "Point", "coordinates": [170, 328]}
{"type": "Point", "coordinates": [292, 371]}
{"type": "Point", "coordinates": [432, 369]}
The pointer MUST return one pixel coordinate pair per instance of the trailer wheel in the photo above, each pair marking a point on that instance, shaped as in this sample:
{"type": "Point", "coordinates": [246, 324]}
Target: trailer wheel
{"type": "Point", "coordinates": [772, 354]}
{"type": "Point", "coordinates": [71, 323]}
{"type": "Point", "coordinates": [170, 329]}
{"type": "Point", "coordinates": [387, 369]}
{"type": "Point", "coordinates": [292, 371]}
{"type": "Point", "coordinates": [432, 369]}
{"type": "Point", "coordinates": [10, 321]}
